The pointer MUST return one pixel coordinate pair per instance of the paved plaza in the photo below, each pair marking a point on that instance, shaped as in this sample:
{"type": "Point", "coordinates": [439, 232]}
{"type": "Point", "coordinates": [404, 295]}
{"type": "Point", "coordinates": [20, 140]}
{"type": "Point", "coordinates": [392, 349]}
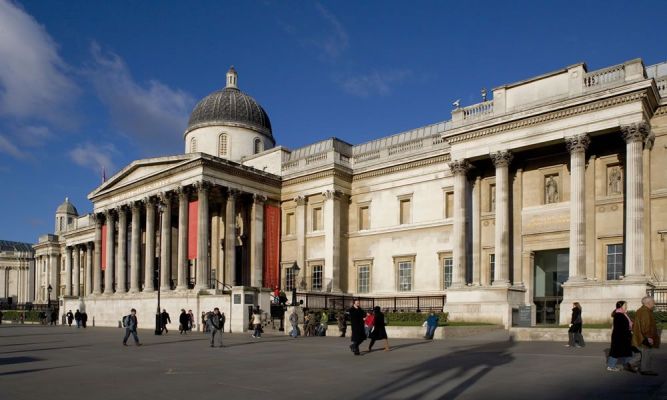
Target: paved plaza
{"type": "Point", "coordinates": [39, 362]}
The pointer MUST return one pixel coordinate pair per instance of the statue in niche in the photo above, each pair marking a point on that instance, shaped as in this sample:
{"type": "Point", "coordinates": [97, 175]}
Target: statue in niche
{"type": "Point", "coordinates": [551, 190]}
{"type": "Point", "coordinates": [615, 184]}
{"type": "Point", "coordinates": [240, 229]}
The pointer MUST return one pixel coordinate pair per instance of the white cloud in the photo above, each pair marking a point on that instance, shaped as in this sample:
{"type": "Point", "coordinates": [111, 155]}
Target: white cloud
{"type": "Point", "coordinates": [97, 157]}
{"type": "Point", "coordinates": [151, 113]}
{"type": "Point", "coordinates": [376, 82]}
{"type": "Point", "coordinates": [34, 81]}
{"type": "Point", "coordinates": [7, 146]}
{"type": "Point", "coordinates": [337, 39]}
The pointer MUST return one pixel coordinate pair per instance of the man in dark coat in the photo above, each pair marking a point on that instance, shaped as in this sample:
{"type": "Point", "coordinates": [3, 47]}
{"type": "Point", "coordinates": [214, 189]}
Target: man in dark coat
{"type": "Point", "coordinates": [84, 319]}
{"type": "Point", "coordinates": [131, 324]}
{"type": "Point", "coordinates": [70, 317]}
{"type": "Point", "coordinates": [216, 322]}
{"type": "Point", "coordinates": [357, 324]}
{"type": "Point", "coordinates": [77, 318]}
{"type": "Point", "coordinates": [164, 320]}
{"type": "Point", "coordinates": [379, 332]}
{"type": "Point", "coordinates": [645, 334]}
{"type": "Point", "coordinates": [183, 320]}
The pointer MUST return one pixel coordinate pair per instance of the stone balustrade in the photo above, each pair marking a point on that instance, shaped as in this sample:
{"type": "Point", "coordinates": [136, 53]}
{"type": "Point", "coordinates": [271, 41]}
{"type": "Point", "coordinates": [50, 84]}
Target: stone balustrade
{"type": "Point", "coordinates": [604, 77]}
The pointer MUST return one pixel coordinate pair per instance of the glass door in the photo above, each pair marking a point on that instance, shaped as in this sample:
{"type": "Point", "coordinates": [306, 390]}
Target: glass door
{"type": "Point", "coordinates": [551, 271]}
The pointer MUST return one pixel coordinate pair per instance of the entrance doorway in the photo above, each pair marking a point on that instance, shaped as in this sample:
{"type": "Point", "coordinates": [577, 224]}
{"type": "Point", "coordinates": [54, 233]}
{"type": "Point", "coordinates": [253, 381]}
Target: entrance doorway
{"type": "Point", "coordinates": [551, 271]}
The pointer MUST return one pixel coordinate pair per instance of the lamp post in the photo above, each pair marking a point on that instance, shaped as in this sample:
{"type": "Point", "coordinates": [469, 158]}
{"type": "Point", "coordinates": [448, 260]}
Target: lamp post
{"type": "Point", "coordinates": [295, 274]}
{"type": "Point", "coordinates": [48, 302]}
{"type": "Point", "coordinates": [158, 322]}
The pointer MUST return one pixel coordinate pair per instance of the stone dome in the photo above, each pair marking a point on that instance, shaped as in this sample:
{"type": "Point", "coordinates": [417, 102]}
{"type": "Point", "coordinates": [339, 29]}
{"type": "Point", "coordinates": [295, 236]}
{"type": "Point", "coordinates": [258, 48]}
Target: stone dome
{"type": "Point", "coordinates": [67, 208]}
{"type": "Point", "coordinates": [231, 107]}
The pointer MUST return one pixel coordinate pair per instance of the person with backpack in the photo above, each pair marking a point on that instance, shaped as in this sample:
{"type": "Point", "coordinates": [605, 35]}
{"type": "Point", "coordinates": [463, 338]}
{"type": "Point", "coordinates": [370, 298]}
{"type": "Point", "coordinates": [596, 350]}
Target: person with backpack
{"type": "Point", "coordinates": [215, 323]}
{"type": "Point", "coordinates": [130, 323]}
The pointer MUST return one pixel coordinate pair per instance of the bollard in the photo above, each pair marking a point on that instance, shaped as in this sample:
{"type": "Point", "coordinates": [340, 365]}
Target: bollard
{"type": "Point", "coordinates": [120, 324]}
{"type": "Point", "coordinates": [93, 322]}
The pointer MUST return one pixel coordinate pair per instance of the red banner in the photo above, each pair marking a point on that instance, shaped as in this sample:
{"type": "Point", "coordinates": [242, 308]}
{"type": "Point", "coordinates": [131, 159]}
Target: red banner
{"type": "Point", "coordinates": [193, 217]}
{"type": "Point", "coordinates": [103, 262]}
{"type": "Point", "coordinates": [271, 270]}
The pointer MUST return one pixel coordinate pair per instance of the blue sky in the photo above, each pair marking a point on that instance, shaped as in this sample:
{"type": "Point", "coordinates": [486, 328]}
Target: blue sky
{"type": "Point", "coordinates": [86, 85]}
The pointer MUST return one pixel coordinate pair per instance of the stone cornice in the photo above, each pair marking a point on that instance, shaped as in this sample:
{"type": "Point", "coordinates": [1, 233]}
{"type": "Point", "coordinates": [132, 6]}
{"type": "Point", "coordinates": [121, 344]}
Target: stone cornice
{"type": "Point", "coordinates": [402, 167]}
{"type": "Point", "coordinates": [549, 116]}
{"type": "Point", "coordinates": [329, 173]}
{"type": "Point", "coordinates": [660, 111]}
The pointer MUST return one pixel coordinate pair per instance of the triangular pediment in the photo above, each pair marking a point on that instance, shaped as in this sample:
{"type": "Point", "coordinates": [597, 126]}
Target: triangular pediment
{"type": "Point", "coordinates": [140, 170]}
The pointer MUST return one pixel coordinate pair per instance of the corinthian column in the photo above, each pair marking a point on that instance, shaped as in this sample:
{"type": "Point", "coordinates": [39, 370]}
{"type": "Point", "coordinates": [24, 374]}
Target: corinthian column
{"type": "Point", "coordinates": [121, 266]}
{"type": "Point", "coordinates": [634, 136]}
{"type": "Point", "coordinates": [165, 243]}
{"type": "Point", "coordinates": [577, 145]}
{"type": "Point", "coordinates": [331, 240]}
{"type": "Point", "coordinates": [68, 271]}
{"type": "Point", "coordinates": [76, 279]}
{"type": "Point", "coordinates": [109, 272]}
{"type": "Point", "coordinates": [203, 221]}
{"type": "Point", "coordinates": [459, 168]}
{"type": "Point", "coordinates": [149, 265]}
{"type": "Point", "coordinates": [501, 160]}
{"type": "Point", "coordinates": [135, 245]}
{"type": "Point", "coordinates": [97, 259]}
{"type": "Point", "coordinates": [88, 287]}
{"type": "Point", "coordinates": [230, 237]}
{"type": "Point", "coordinates": [257, 240]}
{"type": "Point", "coordinates": [182, 263]}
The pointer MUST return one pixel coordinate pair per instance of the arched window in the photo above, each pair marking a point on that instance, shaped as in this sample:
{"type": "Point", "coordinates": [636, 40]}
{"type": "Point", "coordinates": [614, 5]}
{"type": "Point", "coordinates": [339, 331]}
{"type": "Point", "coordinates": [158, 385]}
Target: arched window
{"type": "Point", "coordinates": [258, 146]}
{"type": "Point", "coordinates": [222, 145]}
{"type": "Point", "coordinates": [193, 145]}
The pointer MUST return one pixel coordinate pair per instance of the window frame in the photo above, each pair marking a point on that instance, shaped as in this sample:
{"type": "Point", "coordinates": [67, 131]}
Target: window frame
{"type": "Point", "coordinates": [399, 261]}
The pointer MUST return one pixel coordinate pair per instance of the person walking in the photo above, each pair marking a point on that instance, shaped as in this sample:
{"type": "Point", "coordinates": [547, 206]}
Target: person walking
{"type": "Point", "coordinates": [130, 322]}
{"type": "Point", "coordinates": [621, 339]}
{"type": "Point", "coordinates": [77, 318]}
{"type": "Point", "coordinates": [324, 323]}
{"type": "Point", "coordinates": [357, 325]}
{"type": "Point", "coordinates": [378, 332]}
{"type": "Point", "coordinates": [84, 319]}
{"type": "Point", "coordinates": [368, 323]}
{"type": "Point", "coordinates": [70, 318]}
{"type": "Point", "coordinates": [257, 323]}
{"type": "Point", "coordinates": [431, 324]}
{"type": "Point", "coordinates": [294, 321]}
{"type": "Point", "coordinates": [342, 323]}
{"type": "Point", "coordinates": [164, 320]}
{"type": "Point", "coordinates": [215, 323]}
{"type": "Point", "coordinates": [204, 321]}
{"type": "Point", "coordinates": [183, 321]}
{"type": "Point", "coordinates": [575, 338]}
{"type": "Point", "coordinates": [645, 335]}
{"type": "Point", "coordinates": [191, 320]}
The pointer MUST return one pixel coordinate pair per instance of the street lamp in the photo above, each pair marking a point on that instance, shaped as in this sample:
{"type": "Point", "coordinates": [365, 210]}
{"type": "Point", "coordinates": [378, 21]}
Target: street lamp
{"type": "Point", "coordinates": [48, 303]}
{"type": "Point", "coordinates": [158, 322]}
{"type": "Point", "coordinates": [295, 274]}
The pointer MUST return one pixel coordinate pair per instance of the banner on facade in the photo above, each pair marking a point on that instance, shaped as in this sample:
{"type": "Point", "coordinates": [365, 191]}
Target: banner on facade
{"type": "Point", "coordinates": [193, 218]}
{"type": "Point", "coordinates": [271, 270]}
{"type": "Point", "coordinates": [103, 262]}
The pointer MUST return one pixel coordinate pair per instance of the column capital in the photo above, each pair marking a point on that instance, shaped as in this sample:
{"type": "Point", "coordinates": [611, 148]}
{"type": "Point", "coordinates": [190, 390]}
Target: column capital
{"type": "Point", "coordinates": [120, 209]}
{"type": "Point", "coordinates": [109, 213]}
{"type": "Point", "coordinates": [577, 143]}
{"type": "Point", "coordinates": [259, 198]}
{"type": "Point", "coordinates": [136, 205]}
{"type": "Point", "coordinates": [148, 201]}
{"type": "Point", "coordinates": [232, 193]}
{"type": "Point", "coordinates": [202, 186]}
{"type": "Point", "coordinates": [635, 132]}
{"type": "Point", "coordinates": [331, 194]}
{"type": "Point", "coordinates": [461, 166]}
{"type": "Point", "coordinates": [501, 158]}
{"type": "Point", "coordinates": [164, 197]}
{"type": "Point", "coordinates": [301, 200]}
{"type": "Point", "coordinates": [89, 246]}
{"type": "Point", "coordinates": [183, 191]}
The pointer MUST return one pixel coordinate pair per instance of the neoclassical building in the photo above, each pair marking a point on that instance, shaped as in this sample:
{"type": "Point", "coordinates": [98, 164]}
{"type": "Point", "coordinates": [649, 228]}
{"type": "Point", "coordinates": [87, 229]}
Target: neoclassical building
{"type": "Point", "coordinates": [16, 272]}
{"type": "Point", "coordinates": [550, 192]}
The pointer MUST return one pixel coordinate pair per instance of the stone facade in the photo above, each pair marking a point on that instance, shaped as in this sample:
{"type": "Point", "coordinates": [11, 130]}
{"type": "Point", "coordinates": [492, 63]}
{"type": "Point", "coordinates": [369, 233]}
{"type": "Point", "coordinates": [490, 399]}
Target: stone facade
{"type": "Point", "coordinates": [17, 270]}
{"type": "Point", "coordinates": [551, 192]}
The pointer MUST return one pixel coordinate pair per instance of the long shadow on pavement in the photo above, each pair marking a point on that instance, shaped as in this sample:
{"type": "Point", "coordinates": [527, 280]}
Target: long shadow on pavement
{"type": "Point", "coordinates": [422, 380]}
{"type": "Point", "coordinates": [28, 371]}
{"type": "Point", "coordinates": [45, 349]}
{"type": "Point", "coordinates": [18, 360]}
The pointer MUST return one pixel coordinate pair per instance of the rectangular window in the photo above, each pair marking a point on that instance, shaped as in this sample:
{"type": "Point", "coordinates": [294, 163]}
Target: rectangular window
{"type": "Point", "coordinates": [404, 276]}
{"type": "Point", "coordinates": [615, 266]}
{"type": "Point", "coordinates": [492, 267]}
{"type": "Point", "coordinates": [316, 283]}
{"type": "Point", "coordinates": [405, 211]}
{"type": "Point", "coordinates": [290, 279]}
{"type": "Point", "coordinates": [290, 224]}
{"type": "Point", "coordinates": [447, 266]}
{"type": "Point", "coordinates": [363, 278]}
{"type": "Point", "coordinates": [317, 219]}
{"type": "Point", "coordinates": [364, 222]}
{"type": "Point", "coordinates": [449, 204]}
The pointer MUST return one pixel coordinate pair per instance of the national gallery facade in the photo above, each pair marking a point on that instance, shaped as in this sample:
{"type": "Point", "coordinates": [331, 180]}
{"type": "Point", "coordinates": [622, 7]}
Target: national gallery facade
{"type": "Point", "coordinates": [552, 191]}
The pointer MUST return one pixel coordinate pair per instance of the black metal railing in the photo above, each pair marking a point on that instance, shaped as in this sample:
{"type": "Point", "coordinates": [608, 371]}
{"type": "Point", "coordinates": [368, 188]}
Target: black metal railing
{"type": "Point", "coordinates": [28, 306]}
{"type": "Point", "coordinates": [320, 301]}
{"type": "Point", "coordinates": [659, 296]}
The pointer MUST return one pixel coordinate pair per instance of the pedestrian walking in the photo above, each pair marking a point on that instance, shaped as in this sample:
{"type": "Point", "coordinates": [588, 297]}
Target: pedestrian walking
{"type": "Point", "coordinates": [164, 320]}
{"type": "Point", "coordinates": [378, 332]}
{"type": "Point", "coordinates": [575, 338]}
{"type": "Point", "coordinates": [77, 318]}
{"type": "Point", "coordinates": [294, 321]}
{"type": "Point", "coordinates": [645, 335]}
{"type": "Point", "coordinates": [70, 318]}
{"type": "Point", "coordinates": [223, 318]}
{"type": "Point", "coordinates": [357, 325]}
{"type": "Point", "coordinates": [130, 323]}
{"type": "Point", "coordinates": [324, 323]}
{"type": "Point", "coordinates": [368, 323]}
{"type": "Point", "coordinates": [431, 325]}
{"type": "Point", "coordinates": [191, 321]}
{"type": "Point", "coordinates": [621, 339]}
{"type": "Point", "coordinates": [84, 319]}
{"type": "Point", "coordinates": [257, 323]}
{"type": "Point", "coordinates": [204, 321]}
{"type": "Point", "coordinates": [183, 321]}
{"type": "Point", "coordinates": [342, 323]}
{"type": "Point", "coordinates": [215, 323]}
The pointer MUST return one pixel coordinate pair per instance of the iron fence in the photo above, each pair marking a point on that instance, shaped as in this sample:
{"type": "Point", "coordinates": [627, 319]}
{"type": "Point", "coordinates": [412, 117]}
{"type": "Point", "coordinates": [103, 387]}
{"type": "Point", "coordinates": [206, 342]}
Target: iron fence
{"type": "Point", "coordinates": [394, 304]}
{"type": "Point", "coordinates": [660, 297]}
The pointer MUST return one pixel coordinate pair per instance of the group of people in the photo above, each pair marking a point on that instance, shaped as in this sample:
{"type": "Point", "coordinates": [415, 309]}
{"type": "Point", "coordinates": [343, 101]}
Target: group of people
{"type": "Point", "coordinates": [80, 318]}
{"type": "Point", "coordinates": [367, 326]}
